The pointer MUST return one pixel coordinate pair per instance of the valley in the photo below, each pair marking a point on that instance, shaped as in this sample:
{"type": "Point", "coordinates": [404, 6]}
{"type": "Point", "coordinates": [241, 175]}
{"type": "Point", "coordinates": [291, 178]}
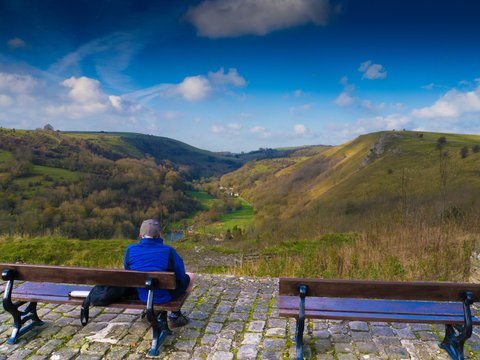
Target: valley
{"type": "Point", "coordinates": [391, 205]}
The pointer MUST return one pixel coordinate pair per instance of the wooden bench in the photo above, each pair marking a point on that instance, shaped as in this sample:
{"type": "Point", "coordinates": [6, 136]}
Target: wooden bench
{"type": "Point", "coordinates": [389, 301]}
{"type": "Point", "coordinates": [52, 284]}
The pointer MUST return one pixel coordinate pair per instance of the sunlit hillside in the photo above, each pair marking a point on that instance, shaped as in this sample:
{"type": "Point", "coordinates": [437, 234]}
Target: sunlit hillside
{"type": "Point", "coordinates": [397, 173]}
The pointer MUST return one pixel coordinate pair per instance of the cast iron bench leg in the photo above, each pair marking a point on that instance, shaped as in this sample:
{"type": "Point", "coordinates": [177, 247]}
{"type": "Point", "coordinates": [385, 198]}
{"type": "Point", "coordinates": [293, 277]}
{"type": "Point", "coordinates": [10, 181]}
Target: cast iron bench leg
{"type": "Point", "coordinates": [159, 324]}
{"type": "Point", "coordinates": [302, 289]}
{"type": "Point", "coordinates": [19, 317]}
{"type": "Point", "coordinates": [455, 336]}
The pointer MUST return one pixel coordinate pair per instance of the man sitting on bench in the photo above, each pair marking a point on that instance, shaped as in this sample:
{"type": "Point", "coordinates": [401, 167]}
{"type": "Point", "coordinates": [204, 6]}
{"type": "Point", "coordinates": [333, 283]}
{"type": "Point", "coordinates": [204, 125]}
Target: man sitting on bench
{"type": "Point", "coordinates": [150, 254]}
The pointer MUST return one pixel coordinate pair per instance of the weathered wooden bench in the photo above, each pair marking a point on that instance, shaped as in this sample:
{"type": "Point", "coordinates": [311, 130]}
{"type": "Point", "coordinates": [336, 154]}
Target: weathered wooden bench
{"type": "Point", "coordinates": [389, 301]}
{"type": "Point", "coordinates": [53, 284]}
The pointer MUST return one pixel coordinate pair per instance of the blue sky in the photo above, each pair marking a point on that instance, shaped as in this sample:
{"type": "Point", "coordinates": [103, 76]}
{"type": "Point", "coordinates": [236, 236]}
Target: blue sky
{"type": "Point", "coordinates": [236, 75]}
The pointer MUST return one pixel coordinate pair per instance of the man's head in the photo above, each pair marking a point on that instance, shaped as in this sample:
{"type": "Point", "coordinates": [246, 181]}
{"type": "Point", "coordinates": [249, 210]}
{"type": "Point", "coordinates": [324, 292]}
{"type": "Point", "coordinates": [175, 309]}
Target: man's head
{"type": "Point", "coordinates": [150, 228]}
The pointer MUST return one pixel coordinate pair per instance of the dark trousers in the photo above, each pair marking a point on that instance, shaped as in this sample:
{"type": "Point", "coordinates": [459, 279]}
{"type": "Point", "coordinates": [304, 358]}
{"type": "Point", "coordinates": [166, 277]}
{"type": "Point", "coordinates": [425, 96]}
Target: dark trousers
{"type": "Point", "coordinates": [182, 285]}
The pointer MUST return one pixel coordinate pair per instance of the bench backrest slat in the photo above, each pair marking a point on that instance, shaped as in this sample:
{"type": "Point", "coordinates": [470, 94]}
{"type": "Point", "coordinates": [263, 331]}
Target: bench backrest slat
{"type": "Point", "coordinates": [394, 290]}
{"type": "Point", "coordinates": [90, 276]}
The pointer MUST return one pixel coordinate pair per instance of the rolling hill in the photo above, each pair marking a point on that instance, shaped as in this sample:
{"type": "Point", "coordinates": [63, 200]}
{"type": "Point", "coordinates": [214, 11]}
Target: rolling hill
{"type": "Point", "coordinates": [398, 173]}
{"type": "Point", "coordinates": [97, 185]}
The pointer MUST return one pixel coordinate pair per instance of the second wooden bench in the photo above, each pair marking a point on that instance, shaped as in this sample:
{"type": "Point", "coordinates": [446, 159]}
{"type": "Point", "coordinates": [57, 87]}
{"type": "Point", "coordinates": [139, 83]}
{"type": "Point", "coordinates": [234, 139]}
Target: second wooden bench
{"type": "Point", "coordinates": [389, 301]}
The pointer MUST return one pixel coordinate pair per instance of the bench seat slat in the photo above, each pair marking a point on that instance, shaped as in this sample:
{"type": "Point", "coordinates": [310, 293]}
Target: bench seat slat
{"type": "Point", "coordinates": [58, 294]}
{"type": "Point", "coordinates": [90, 276]}
{"type": "Point", "coordinates": [395, 290]}
{"type": "Point", "coordinates": [429, 308]}
{"type": "Point", "coordinates": [378, 317]}
{"type": "Point", "coordinates": [47, 289]}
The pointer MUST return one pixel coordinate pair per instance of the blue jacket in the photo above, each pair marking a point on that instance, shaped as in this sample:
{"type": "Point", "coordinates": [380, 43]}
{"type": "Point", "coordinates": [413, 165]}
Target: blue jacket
{"type": "Point", "coordinates": [153, 255]}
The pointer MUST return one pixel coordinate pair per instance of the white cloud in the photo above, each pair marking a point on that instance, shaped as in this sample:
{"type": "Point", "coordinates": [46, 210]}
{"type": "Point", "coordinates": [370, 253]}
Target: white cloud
{"type": "Point", "coordinates": [5, 101]}
{"type": "Point", "coordinates": [298, 93]}
{"type": "Point", "coordinates": [260, 131]}
{"type": "Point", "coordinates": [17, 84]}
{"type": "Point", "coordinates": [232, 18]}
{"type": "Point", "coordinates": [231, 77]}
{"type": "Point", "coordinates": [16, 43]}
{"type": "Point", "coordinates": [370, 107]}
{"type": "Point", "coordinates": [193, 88]}
{"type": "Point", "coordinates": [86, 98]}
{"type": "Point", "coordinates": [231, 129]}
{"type": "Point", "coordinates": [345, 98]}
{"type": "Point", "coordinates": [345, 132]}
{"type": "Point", "coordinates": [217, 129]}
{"type": "Point", "coordinates": [372, 71]}
{"type": "Point", "coordinates": [116, 101]}
{"type": "Point", "coordinates": [452, 105]}
{"type": "Point", "coordinates": [432, 85]}
{"type": "Point", "coordinates": [304, 107]}
{"type": "Point", "coordinates": [234, 126]}
{"type": "Point", "coordinates": [300, 129]}
{"type": "Point", "coordinates": [84, 90]}
{"type": "Point", "coordinates": [172, 115]}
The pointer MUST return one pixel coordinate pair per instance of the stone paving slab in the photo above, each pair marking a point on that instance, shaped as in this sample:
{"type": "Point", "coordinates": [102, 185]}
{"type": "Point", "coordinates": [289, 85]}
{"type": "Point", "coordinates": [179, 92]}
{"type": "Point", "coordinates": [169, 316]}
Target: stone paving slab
{"type": "Point", "coordinates": [231, 318]}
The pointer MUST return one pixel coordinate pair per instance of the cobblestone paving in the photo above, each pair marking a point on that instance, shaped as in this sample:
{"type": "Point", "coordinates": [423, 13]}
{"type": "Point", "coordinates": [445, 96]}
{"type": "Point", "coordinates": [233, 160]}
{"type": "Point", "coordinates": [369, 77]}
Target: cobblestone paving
{"type": "Point", "coordinates": [231, 318]}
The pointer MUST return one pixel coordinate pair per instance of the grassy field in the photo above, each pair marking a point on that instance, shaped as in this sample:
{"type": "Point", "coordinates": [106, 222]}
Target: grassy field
{"type": "Point", "coordinates": [52, 250]}
{"type": "Point", "coordinates": [61, 251]}
{"type": "Point", "coordinates": [404, 256]}
{"type": "Point", "coordinates": [239, 218]}
{"type": "Point", "coordinates": [205, 199]}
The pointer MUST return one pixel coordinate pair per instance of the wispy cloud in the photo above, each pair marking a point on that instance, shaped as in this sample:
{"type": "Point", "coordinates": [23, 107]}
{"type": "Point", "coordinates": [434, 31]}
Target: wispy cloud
{"type": "Point", "coordinates": [111, 54]}
{"type": "Point", "coordinates": [301, 108]}
{"type": "Point", "coordinates": [433, 85]}
{"type": "Point", "coordinates": [261, 132]}
{"type": "Point", "coordinates": [193, 88]}
{"type": "Point", "coordinates": [16, 43]}
{"type": "Point", "coordinates": [345, 98]}
{"type": "Point", "coordinates": [230, 130]}
{"type": "Point", "coordinates": [372, 71]}
{"type": "Point", "coordinates": [232, 18]}
{"type": "Point", "coordinates": [232, 77]}
{"type": "Point", "coordinates": [370, 107]}
{"type": "Point", "coordinates": [345, 132]}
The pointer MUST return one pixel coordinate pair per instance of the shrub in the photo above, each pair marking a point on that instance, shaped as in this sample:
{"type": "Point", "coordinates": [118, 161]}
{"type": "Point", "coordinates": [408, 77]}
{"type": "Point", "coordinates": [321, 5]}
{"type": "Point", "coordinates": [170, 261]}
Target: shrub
{"type": "Point", "coordinates": [441, 141]}
{"type": "Point", "coordinates": [350, 207]}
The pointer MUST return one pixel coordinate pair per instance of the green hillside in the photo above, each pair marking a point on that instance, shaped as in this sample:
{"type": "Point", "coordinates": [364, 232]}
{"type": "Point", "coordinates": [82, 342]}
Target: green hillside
{"type": "Point", "coordinates": [410, 198]}
{"type": "Point", "coordinates": [195, 162]}
{"type": "Point", "coordinates": [87, 186]}
{"type": "Point", "coordinates": [376, 168]}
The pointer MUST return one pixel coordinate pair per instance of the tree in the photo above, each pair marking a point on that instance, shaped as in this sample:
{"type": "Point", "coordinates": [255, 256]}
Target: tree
{"type": "Point", "coordinates": [48, 127]}
{"type": "Point", "coordinates": [441, 141]}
